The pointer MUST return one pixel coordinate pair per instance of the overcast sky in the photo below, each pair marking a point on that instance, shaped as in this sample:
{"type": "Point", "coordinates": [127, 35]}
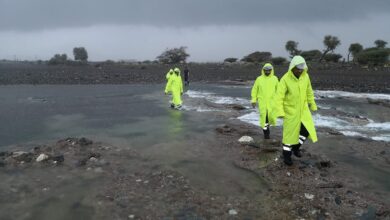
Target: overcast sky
{"type": "Point", "coordinates": [211, 29]}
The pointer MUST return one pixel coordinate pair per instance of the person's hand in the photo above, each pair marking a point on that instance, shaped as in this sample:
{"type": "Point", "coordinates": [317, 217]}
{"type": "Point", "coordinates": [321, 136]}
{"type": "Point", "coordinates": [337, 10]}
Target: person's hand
{"type": "Point", "coordinates": [253, 104]}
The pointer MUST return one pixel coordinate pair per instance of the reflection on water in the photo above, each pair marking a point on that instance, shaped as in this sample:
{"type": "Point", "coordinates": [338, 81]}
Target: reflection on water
{"type": "Point", "coordinates": [175, 124]}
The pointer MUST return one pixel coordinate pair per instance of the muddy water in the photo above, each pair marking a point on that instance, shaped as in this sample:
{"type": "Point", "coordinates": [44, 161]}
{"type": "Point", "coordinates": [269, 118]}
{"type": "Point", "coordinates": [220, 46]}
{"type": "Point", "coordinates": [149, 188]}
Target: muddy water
{"type": "Point", "coordinates": [134, 117]}
{"type": "Point", "coordinates": [137, 117]}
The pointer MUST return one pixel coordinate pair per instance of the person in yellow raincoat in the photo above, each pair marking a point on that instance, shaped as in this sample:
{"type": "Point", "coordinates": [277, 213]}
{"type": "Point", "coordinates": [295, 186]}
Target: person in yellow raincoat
{"type": "Point", "coordinates": [293, 101]}
{"type": "Point", "coordinates": [169, 74]}
{"type": "Point", "coordinates": [175, 86]}
{"type": "Point", "coordinates": [263, 93]}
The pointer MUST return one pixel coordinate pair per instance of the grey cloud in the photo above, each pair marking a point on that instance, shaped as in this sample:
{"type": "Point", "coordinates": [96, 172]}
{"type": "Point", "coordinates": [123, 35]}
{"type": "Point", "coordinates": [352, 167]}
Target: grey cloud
{"type": "Point", "coordinates": [50, 14]}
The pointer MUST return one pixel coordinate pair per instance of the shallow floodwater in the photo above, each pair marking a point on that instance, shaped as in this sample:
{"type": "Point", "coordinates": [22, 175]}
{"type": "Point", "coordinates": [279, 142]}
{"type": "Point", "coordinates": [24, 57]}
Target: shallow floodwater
{"type": "Point", "coordinates": [138, 117]}
{"type": "Point", "coordinates": [128, 116]}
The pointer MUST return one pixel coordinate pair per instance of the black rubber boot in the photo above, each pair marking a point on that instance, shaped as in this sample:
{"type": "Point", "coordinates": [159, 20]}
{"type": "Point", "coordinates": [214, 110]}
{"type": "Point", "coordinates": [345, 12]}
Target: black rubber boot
{"type": "Point", "coordinates": [296, 150]}
{"type": "Point", "coordinates": [287, 157]}
{"type": "Point", "coordinates": [266, 133]}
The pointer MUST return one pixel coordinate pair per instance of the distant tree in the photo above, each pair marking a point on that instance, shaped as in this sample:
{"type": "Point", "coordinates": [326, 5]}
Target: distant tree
{"type": "Point", "coordinates": [330, 43]}
{"type": "Point", "coordinates": [354, 49]}
{"type": "Point", "coordinates": [230, 60]}
{"type": "Point", "coordinates": [58, 59]}
{"type": "Point", "coordinates": [332, 57]}
{"type": "Point", "coordinates": [175, 55]}
{"type": "Point", "coordinates": [380, 43]}
{"type": "Point", "coordinates": [311, 55]}
{"type": "Point", "coordinates": [80, 53]}
{"type": "Point", "coordinates": [292, 48]}
{"type": "Point", "coordinates": [374, 56]}
{"type": "Point", "coordinates": [257, 57]}
{"type": "Point", "coordinates": [278, 60]}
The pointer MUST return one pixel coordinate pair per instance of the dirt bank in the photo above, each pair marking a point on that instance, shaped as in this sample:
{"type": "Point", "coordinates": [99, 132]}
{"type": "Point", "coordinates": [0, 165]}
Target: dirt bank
{"type": "Point", "coordinates": [335, 77]}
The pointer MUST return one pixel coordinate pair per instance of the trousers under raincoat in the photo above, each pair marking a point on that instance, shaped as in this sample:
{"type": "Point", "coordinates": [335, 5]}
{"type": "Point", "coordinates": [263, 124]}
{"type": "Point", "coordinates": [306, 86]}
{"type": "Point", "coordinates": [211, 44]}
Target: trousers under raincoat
{"type": "Point", "coordinates": [263, 93]}
{"type": "Point", "coordinates": [175, 85]}
{"type": "Point", "coordinates": [293, 99]}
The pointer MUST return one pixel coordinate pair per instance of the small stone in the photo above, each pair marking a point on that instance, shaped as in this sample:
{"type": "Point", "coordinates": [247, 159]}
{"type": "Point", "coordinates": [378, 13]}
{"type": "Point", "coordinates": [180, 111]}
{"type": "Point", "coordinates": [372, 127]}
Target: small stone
{"type": "Point", "coordinates": [170, 176]}
{"type": "Point", "coordinates": [93, 159]}
{"type": "Point", "coordinates": [42, 157]}
{"type": "Point", "coordinates": [288, 174]}
{"type": "Point", "coordinates": [138, 180]}
{"type": "Point", "coordinates": [233, 212]}
{"type": "Point", "coordinates": [146, 182]}
{"type": "Point", "coordinates": [131, 216]}
{"type": "Point", "coordinates": [276, 159]}
{"type": "Point", "coordinates": [309, 196]}
{"type": "Point", "coordinates": [246, 140]}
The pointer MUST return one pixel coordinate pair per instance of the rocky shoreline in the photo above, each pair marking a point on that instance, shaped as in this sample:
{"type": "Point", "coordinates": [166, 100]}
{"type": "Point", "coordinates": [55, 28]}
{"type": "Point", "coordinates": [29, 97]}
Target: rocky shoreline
{"type": "Point", "coordinates": [131, 188]}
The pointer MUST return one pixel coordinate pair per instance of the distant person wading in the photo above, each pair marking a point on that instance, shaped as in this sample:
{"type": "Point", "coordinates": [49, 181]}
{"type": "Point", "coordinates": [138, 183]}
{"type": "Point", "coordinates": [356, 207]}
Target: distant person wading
{"type": "Point", "coordinates": [263, 92]}
{"type": "Point", "coordinates": [186, 76]}
{"type": "Point", "coordinates": [175, 86]}
{"type": "Point", "coordinates": [293, 101]}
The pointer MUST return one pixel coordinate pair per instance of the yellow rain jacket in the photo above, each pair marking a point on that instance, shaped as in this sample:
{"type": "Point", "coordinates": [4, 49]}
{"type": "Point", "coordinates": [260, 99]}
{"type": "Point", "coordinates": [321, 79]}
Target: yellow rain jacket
{"type": "Point", "coordinates": [175, 85]}
{"type": "Point", "coordinates": [263, 93]}
{"type": "Point", "coordinates": [293, 99]}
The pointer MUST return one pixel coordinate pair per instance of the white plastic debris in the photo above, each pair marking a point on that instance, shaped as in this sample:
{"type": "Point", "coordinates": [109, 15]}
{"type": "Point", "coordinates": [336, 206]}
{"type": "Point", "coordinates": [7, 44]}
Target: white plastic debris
{"type": "Point", "coordinates": [246, 140]}
{"type": "Point", "coordinates": [42, 157]}
{"type": "Point", "coordinates": [309, 196]}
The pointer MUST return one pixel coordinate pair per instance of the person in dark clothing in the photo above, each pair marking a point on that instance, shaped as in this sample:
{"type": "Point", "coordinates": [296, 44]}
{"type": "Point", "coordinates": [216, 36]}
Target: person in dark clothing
{"type": "Point", "coordinates": [186, 77]}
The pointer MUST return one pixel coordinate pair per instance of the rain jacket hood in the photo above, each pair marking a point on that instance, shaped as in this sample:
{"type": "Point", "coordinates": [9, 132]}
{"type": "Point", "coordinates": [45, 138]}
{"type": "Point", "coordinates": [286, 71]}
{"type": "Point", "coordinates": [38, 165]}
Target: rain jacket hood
{"type": "Point", "coordinates": [170, 72]}
{"type": "Point", "coordinates": [272, 71]}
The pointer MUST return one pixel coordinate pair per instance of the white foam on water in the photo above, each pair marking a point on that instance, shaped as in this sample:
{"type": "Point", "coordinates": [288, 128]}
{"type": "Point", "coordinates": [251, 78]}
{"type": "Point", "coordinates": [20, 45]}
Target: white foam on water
{"type": "Point", "coordinates": [228, 100]}
{"type": "Point", "coordinates": [330, 122]}
{"type": "Point", "coordinates": [197, 109]}
{"type": "Point", "coordinates": [385, 138]}
{"type": "Point", "coordinates": [212, 97]}
{"type": "Point", "coordinates": [254, 118]}
{"type": "Point", "coordinates": [198, 94]}
{"type": "Point", "coordinates": [352, 134]}
{"type": "Point", "coordinates": [250, 118]}
{"type": "Point", "coordinates": [385, 126]}
{"type": "Point", "coordinates": [343, 94]}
